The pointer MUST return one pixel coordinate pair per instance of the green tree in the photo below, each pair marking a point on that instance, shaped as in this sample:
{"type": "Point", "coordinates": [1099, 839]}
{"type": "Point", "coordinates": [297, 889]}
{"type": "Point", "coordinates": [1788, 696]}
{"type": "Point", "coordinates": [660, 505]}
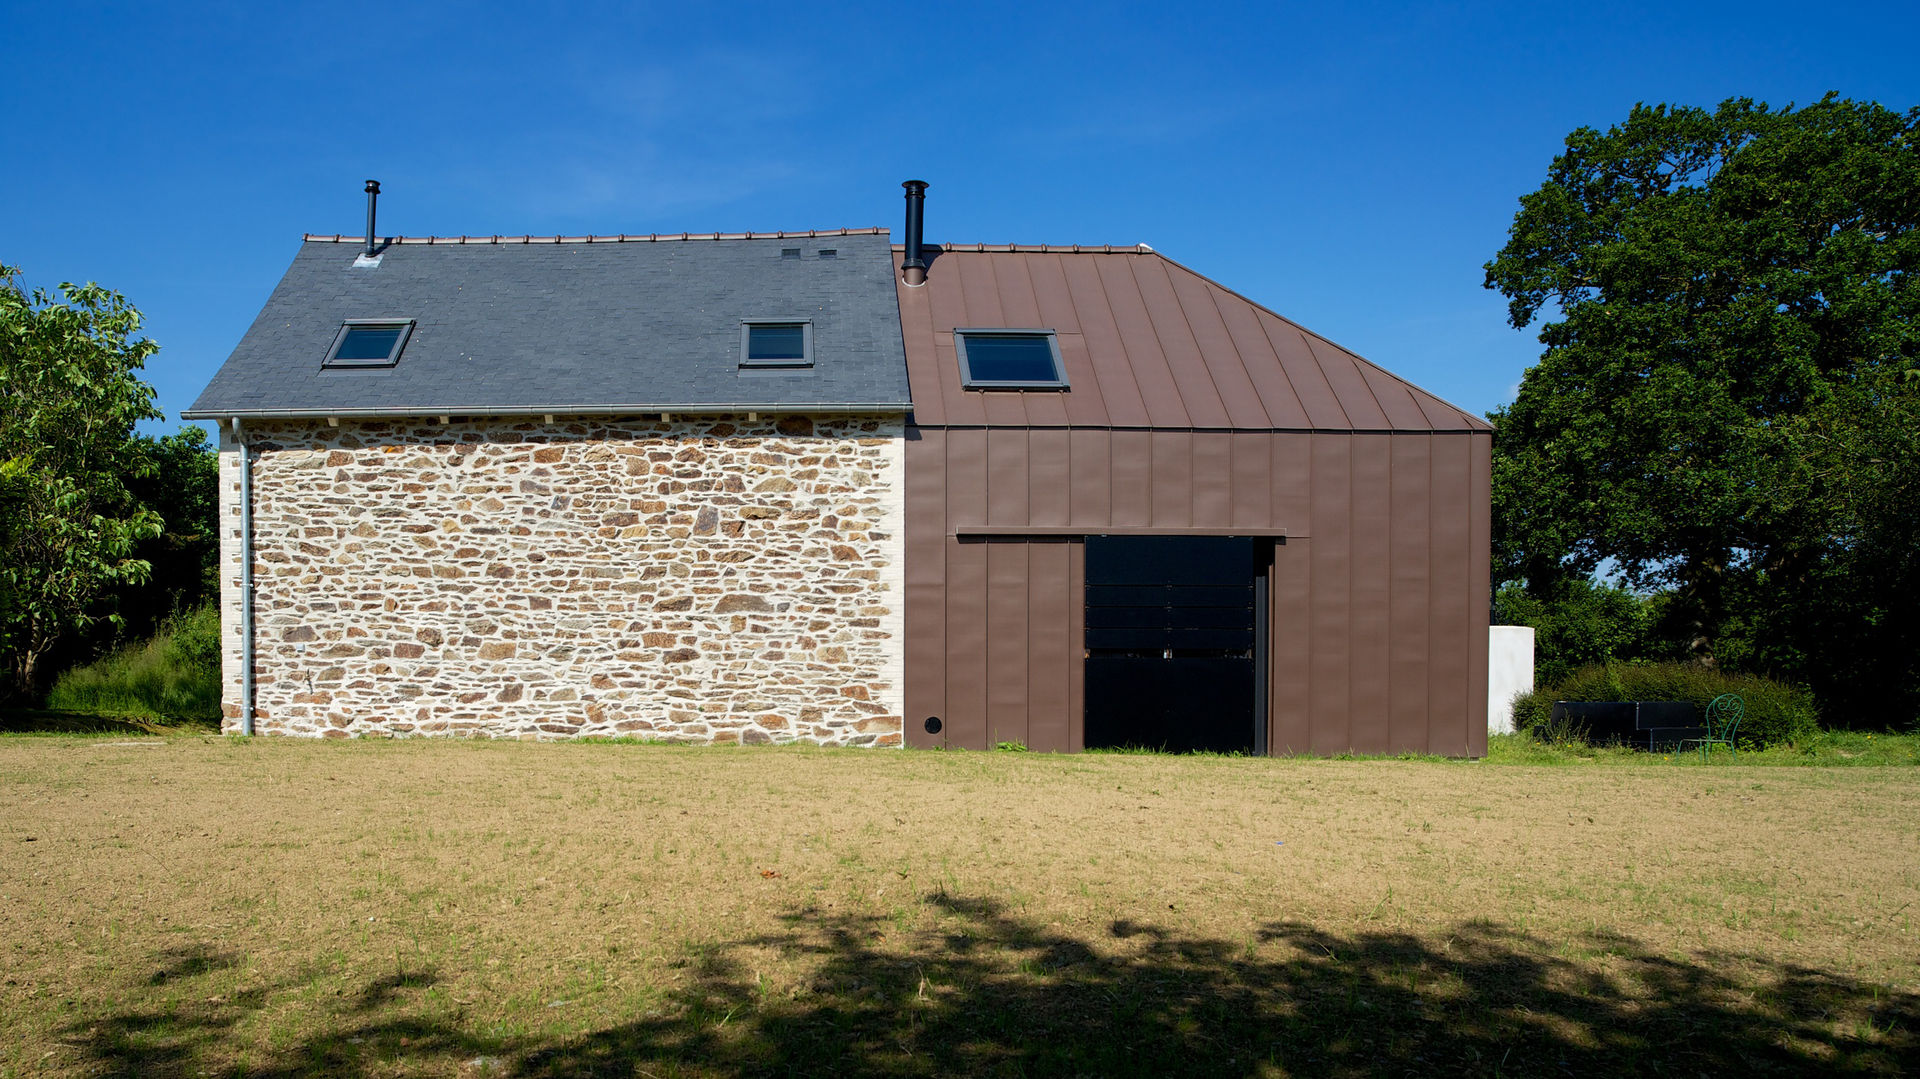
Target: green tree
{"type": "Point", "coordinates": [1578, 623]}
{"type": "Point", "coordinates": [72, 393]}
{"type": "Point", "coordinates": [1725, 406]}
{"type": "Point", "coordinates": [177, 477]}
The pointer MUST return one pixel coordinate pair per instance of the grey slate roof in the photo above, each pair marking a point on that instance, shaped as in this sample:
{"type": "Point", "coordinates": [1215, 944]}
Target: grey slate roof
{"type": "Point", "coordinates": [511, 327]}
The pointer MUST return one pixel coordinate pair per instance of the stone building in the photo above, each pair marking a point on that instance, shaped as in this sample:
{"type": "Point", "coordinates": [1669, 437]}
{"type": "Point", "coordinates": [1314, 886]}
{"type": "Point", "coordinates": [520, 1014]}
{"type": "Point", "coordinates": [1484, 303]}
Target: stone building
{"type": "Point", "coordinates": [809, 487]}
{"type": "Point", "coordinates": [568, 486]}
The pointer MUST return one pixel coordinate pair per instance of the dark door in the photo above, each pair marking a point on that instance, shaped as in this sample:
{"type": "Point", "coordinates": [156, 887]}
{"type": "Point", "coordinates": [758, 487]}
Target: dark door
{"type": "Point", "coordinates": [1173, 642]}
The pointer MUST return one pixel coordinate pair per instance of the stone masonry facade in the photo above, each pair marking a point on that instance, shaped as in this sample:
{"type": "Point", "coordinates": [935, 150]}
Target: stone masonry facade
{"type": "Point", "coordinates": [709, 579]}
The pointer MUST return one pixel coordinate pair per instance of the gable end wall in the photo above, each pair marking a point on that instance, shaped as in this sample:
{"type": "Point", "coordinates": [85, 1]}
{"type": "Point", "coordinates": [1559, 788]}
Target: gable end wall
{"type": "Point", "coordinates": [713, 579]}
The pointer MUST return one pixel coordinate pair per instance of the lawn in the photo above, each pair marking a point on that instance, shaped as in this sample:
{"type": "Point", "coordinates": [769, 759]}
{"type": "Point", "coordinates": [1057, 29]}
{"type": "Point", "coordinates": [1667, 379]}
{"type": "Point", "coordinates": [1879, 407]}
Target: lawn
{"type": "Point", "coordinates": [197, 905]}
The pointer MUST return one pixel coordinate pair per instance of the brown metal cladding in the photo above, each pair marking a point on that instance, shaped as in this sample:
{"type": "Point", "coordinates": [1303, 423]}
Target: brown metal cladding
{"type": "Point", "coordinates": [1050, 652]}
{"type": "Point", "coordinates": [1331, 611]}
{"type": "Point", "coordinates": [1479, 580]}
{"type": "Point", "coordinates": [1378, 591]}
{"type": "Point", "coordinates": [1410, 592]}
{"type": "Point", "coordinates": [927, 579]}
{"type": "Point", "coordinates": [1369, 531]}
{"type": "Point", "coordinates": [1189, 408]}
{"type": "Point", "coordinates": [1009, 648]}
{"type": "Point", "coordinates": [964, 597]}
{"type": "Point", "coordinates": [1049, 490]}
{"type": "Point", "coordinates": [1449, 544]}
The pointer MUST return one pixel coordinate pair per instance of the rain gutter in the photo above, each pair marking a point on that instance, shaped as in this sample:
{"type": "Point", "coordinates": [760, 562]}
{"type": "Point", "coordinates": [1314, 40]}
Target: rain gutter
{"type": "Point", "coordinates": [779, 407]}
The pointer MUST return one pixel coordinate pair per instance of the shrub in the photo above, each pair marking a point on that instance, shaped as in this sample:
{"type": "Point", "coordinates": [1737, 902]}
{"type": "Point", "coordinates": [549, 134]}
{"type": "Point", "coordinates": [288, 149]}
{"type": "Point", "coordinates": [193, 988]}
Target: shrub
{"type": "Point", "coordinates": [173, 676]}
{"type": "Point", "coordinates": [1776, 713]}
{"type": "Point", "coordinates": [193, 639]}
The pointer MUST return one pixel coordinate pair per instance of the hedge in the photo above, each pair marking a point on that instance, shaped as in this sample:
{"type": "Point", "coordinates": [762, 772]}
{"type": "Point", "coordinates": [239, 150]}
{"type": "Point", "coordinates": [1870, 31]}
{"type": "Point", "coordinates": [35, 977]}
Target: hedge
{"type": "Point", "coordinates": [1776, 712]}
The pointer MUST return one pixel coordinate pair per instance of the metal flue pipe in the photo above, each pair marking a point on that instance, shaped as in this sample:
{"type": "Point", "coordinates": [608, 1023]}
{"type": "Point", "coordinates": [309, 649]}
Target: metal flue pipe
{"type": "Point", "coordinates": [913, 268]}
{"type": "Point", "coordinates": [373, 197]}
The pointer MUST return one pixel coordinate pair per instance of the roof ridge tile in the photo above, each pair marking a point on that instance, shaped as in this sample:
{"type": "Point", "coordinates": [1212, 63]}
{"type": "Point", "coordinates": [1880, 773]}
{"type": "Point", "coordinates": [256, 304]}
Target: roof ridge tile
{"type": "Point", "coordinates": [1042, 249]}
{"type": "Point", "coordinates": [595, 238]}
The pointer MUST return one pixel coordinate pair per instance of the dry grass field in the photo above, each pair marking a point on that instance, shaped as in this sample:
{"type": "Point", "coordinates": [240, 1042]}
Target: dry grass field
{"type": "Point", "coordinates": [199, 906]}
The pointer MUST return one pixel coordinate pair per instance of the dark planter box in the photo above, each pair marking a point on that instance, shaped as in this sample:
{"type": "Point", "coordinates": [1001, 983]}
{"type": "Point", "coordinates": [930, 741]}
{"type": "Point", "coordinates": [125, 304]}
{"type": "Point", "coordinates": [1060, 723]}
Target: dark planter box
{"type": "Point", "coordinates": [1658, 726]}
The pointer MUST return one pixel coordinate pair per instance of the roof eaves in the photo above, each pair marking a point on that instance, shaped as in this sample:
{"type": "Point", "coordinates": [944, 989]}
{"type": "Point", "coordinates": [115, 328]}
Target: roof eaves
{"type": "Point", "coordinates": [403, 412]}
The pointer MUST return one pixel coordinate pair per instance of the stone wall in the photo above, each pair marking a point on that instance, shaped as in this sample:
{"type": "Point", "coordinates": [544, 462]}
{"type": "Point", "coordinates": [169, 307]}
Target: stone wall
{"type": "Point", "coordinates": [714, 579]}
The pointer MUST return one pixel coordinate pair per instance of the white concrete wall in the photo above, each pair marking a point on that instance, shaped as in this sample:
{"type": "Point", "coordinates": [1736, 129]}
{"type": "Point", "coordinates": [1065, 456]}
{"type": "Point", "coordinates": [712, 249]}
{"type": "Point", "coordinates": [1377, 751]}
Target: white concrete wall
{"type": "Point", "coordinates": [1509, 673]}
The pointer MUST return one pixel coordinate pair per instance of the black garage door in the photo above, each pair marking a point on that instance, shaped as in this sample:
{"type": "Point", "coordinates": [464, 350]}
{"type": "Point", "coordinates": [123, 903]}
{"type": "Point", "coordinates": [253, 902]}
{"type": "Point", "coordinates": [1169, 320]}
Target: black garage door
{"type": "Point", "coordinates": [1174, 635]}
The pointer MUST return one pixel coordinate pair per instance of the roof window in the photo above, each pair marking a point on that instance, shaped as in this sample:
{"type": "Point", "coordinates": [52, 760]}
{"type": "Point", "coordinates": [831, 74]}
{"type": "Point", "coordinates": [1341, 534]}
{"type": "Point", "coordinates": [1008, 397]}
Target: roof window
{"type": "Point", "coordinates": [772, 342]}
{"type": "Point", "coordinates": [829, 252]}
{"type": "Point", "coordinates": [789, 252]}
{"type": "Point", "coordinates": [1010, 360]}
{"type": "Point", "coordinates": [364, 342]}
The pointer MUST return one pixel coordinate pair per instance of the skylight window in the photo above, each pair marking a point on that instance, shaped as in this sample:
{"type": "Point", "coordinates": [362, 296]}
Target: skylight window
{"type": "Point", "coordinates": [1010, 359]}
{"type": "Point", "coordinates": [766, 342]}
{"type": "Point", "coordinates": [369, 343]}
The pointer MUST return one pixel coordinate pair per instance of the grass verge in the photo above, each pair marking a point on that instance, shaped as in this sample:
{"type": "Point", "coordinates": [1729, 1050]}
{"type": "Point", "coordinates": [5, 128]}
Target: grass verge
{"type": "Point", "coordinates": [280, 907]}
{"type": "Point", "coordinates": [43, 721]}
{"type": "Point", "coordinates": [1822, 749]}
{"type": "Point", "coordinates": [173, 677]}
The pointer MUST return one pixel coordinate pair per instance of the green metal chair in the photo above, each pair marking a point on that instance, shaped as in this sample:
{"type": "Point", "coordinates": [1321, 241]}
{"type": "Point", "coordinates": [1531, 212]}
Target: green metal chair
{"type": "Point", "coordinates": [1723, 723]}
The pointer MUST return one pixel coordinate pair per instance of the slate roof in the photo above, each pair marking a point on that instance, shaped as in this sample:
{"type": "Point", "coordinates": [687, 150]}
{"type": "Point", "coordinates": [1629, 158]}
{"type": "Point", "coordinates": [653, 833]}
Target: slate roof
{"type": "Point", "coordinates": [524, 325]}
{"type": "Point", "coordinates": [1146, 343]}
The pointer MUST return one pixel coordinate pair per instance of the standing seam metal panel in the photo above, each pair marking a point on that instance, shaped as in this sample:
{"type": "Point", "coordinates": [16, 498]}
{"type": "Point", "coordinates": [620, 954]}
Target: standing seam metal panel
{"type": "Point", "coordinates": [1157, 343]}
{"type": "Point", "coordinates": [1050, 652]}
{"type": "Point", "coordinates": [925, 649]}
{"type": "Point", "coordinates": [1479, 588]}
{"type": "Point", "coordinates": [1409, 629]}
{"type": "Point", "coordinates": [965, 595]}
{"type": "Point", "coordinates": [1450, 544]}
{"type": "Point", "coordinates": [1371, 592]}
{"type": "Point", "coordinates": [1010, 642]}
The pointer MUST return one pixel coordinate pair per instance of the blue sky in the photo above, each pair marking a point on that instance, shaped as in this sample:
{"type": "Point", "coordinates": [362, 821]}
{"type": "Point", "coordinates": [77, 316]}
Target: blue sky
{"type": "Point", "coordinates": [1350, 166]}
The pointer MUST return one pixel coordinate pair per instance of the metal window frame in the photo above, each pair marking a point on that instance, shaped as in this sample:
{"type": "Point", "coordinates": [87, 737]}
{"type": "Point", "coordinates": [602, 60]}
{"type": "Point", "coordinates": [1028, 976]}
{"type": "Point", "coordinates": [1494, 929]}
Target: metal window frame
{"type": "Point", "coordinates": [404, 325]}
{"type": "Point", "coordinates": [1058, 382]}
{"type": "Point", "coordinates": [806, 342]}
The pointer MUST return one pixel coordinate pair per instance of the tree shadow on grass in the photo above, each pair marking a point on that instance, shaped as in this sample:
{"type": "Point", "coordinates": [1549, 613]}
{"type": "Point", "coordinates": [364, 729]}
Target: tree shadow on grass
{"type": "Point", "coordinates": [50, 721]}
{"type": "Point", "coordinates": [191, 1035]}
{"type": "Point", "coordinates": [993, 993]}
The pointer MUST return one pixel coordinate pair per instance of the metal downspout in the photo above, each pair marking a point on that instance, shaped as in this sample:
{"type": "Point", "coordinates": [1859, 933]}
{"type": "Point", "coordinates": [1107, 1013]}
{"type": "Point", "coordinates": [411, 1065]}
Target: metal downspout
{"type": "Point", "coordinates": [246, 579]}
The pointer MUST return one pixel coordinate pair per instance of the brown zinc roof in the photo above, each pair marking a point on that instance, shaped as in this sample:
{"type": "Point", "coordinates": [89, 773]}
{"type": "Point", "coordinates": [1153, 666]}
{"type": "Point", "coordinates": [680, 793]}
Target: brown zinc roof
{"type": "Point", "coordinates": [1146, 343]}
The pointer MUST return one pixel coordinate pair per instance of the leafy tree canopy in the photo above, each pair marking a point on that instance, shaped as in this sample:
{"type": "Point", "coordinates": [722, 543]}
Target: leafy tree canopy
{"type": "Point", "coordinates": [176, 476]}
{"type": "Point", "coordinates": [68, 525]}
{"type": "Point", "coordinates": [1729, 383]}
{"type": "Point", "coordinates": [1579, 623]}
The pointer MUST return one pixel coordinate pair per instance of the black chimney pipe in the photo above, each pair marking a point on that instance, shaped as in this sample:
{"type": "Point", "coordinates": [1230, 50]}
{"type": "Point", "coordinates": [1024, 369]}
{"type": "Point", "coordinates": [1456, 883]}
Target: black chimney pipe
{"type": "Point", "coordinates": [913, 268]}
{"type": "Point", "coordinates": [373, 196]}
